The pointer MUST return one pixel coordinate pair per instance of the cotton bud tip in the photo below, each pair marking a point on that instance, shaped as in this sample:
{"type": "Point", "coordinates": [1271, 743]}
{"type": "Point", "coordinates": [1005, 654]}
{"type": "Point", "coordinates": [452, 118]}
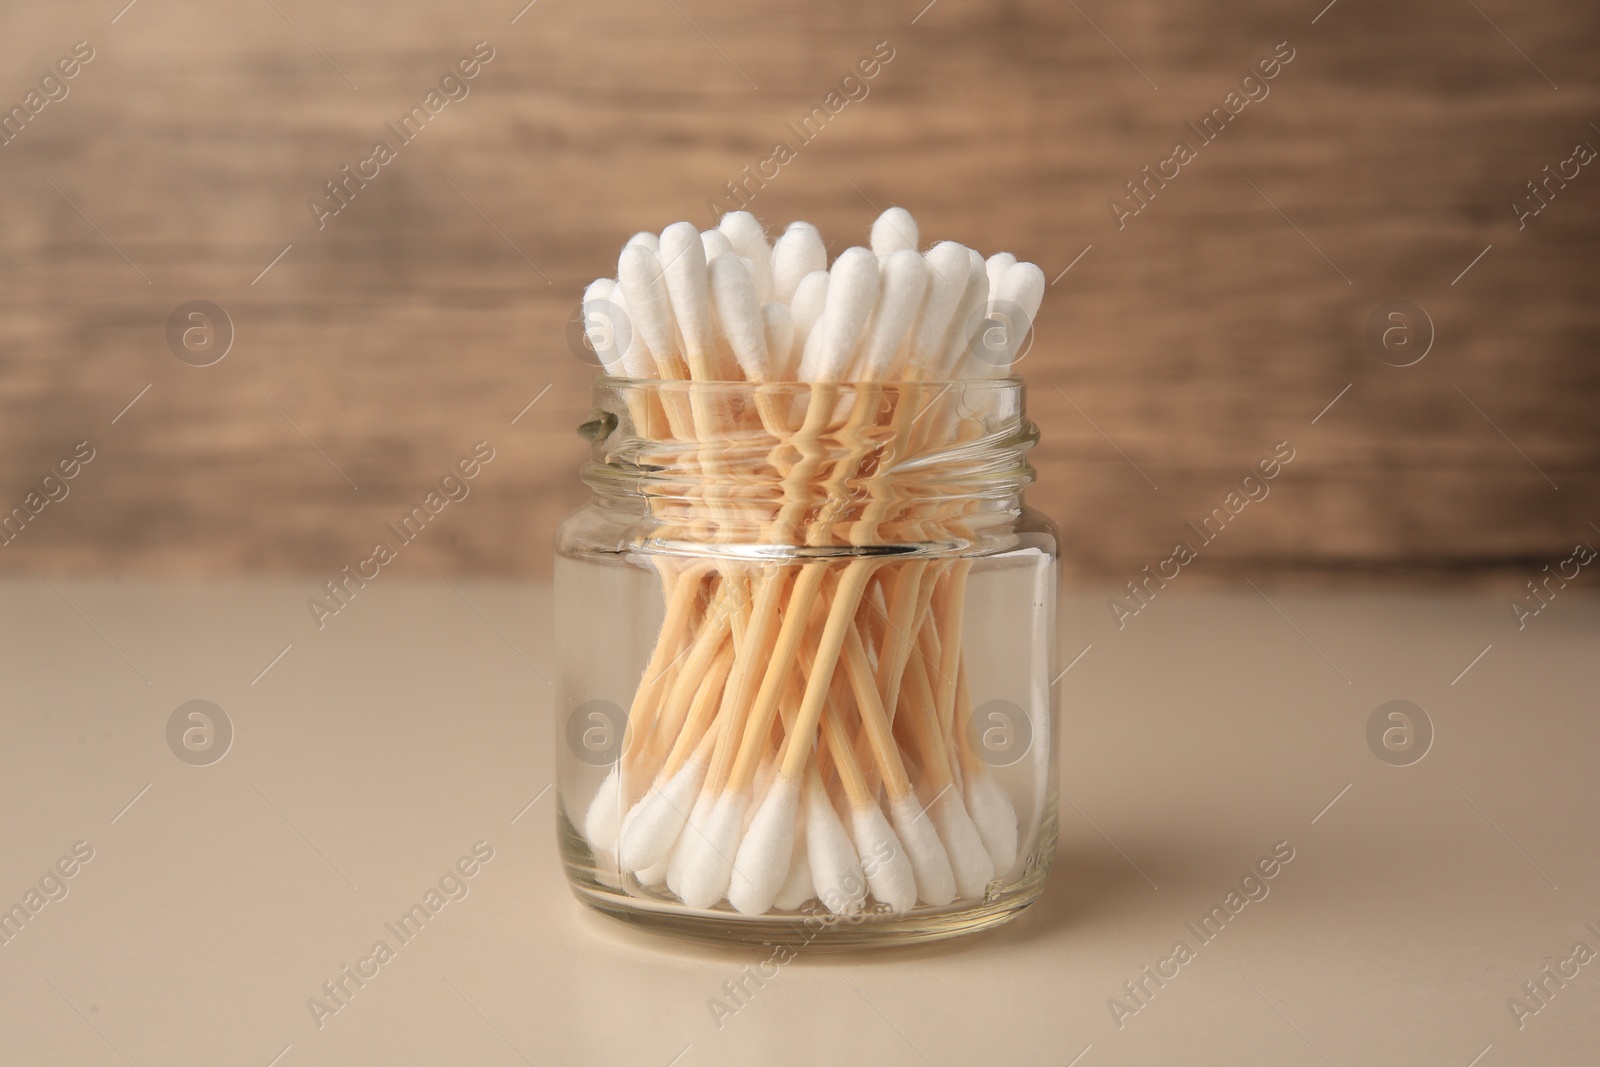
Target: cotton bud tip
{"type": "Point", "coordinates": [762, 864]}
{"type": "Point", "coordinates": [894, 230]}
{"type": "Point", "coordinates": [936, 882]}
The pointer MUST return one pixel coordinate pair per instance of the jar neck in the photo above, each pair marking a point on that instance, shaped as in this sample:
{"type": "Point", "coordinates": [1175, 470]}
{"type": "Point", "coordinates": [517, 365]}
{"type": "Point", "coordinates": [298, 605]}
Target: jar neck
{"type": "Point", "coordinates": [892, 467]}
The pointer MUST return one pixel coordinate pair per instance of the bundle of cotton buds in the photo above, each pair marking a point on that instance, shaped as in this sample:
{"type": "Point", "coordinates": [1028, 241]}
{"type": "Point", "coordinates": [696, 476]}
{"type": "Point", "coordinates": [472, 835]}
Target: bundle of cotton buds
{"type": "Point", "coordinates": [800, 730]}
{"type": "Point", "coordinates": [725, 305]}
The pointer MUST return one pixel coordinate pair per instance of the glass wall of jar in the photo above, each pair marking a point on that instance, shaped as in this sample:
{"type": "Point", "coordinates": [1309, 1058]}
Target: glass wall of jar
{"type": "Point", "coordinates": [806, 642]}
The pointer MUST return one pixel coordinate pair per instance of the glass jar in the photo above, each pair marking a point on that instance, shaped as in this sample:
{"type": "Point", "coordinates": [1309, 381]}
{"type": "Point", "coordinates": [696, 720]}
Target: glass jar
{"type": "Point", "coordinates": [807, 636]}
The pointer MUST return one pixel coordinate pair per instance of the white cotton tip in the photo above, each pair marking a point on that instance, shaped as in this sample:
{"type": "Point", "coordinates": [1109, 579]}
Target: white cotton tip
{"type": "Point", "coordinates": [694, 829]}
{"type": "Point", "coordinates": [969, 860]}
{"type": "Point", "coordinates": [995, 818]}
{"type": "Point", "coordinates": [654, 877]}
{"type": "Point", "coordinates": [652, 825]}
{"type": "Point", "coordinates": [948, 275]}
{"type": "Point", "coordinates": [715, 243]}
{"type": "Point", "coordinates": [970, 309]}
{"type": "Point", "coordinates": [683, 265]}
{"type": "Point", "coordinates": [1024, 286]}
{"type": "Point", "coordinates": [636, 361]}
{"type": "Point", "coordinates": [645, 238]}
{"type": "Point", "coordinates": [797, 885]}
{"type": "Point", "coordinates": [894, 230]}
{"type": "Point", "coordinates": [762, 865]}
{"type": "Point", "coordinates": [905, 282]}
{"type": "Point", "coordinates": [995, 267]}
{"type": "Point", "coordinates": [1020, 294]}
{"type": "Point", "coordinates": [835, 869]}
{"type": "Point", "coordinates": [777, 323]}
{"type": "Point", "coordinates": [1013, 303]}
{"type": "Point", "coordinates": [604, 817]}
{"type": "Point", "coordinates": [708, 859]}
{"type": "Point", "coordinates": [649, 305]}
{"type": "Point", "coordinates": [852, 292]}
{"type": "Point", "coordinates": [806, 308]}
{"type": "Point", "coordinates": [601, 325]}
{"type": "Point", "coordinates": [799, 252]}
{"type": "Point", "coordinates": [884, 861]}
{"type": "Point", "coordinates": [749, 238]}
{"type": "Point", "coordinates": [737, 304]}
{"type": "Point", "coordinates": [811, 360]}
{"type": "Point", "coordinates": [936, 882]}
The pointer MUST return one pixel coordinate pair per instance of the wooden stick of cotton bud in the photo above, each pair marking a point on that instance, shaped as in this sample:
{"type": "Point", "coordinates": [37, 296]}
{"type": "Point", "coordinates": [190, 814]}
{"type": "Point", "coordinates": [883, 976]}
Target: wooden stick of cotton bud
{"type": "Point", "coordinates": [622, 352]}
{"type": "Point", "coordinates": [852, 291]}
{"type": "Point", "coordinates": [769, 842]}
{"type": "Point", "coordinates": [768, 849]}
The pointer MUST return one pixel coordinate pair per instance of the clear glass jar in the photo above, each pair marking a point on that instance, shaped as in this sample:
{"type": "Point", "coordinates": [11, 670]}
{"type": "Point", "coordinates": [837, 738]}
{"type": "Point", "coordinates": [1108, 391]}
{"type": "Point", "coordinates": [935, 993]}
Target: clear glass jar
{"type": "Point", "coordinates": [807, 635]}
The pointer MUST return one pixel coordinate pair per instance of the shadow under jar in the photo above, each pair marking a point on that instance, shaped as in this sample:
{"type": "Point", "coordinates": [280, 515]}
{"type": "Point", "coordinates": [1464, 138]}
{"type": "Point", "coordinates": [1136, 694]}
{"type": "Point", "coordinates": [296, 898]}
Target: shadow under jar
{"type": "Point", "coordinates": [806, 641]}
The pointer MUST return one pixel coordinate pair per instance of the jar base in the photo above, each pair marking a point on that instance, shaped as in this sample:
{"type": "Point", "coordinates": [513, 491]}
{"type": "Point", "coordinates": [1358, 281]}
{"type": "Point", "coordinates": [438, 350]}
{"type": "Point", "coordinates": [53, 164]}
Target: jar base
{"type": "Point", "coordinates": [813, 931]}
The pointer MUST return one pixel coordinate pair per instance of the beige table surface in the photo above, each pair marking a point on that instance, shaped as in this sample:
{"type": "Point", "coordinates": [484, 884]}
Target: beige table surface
{"type": "Point", "coordinates": [374, 753]}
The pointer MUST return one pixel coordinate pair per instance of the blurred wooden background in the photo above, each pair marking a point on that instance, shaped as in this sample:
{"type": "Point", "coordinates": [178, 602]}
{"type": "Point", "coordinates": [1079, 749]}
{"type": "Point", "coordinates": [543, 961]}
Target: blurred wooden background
{"type": "Point", "coordinates": [1174, 354]}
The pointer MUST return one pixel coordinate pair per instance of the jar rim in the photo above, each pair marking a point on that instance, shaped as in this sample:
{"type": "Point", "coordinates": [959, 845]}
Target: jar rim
{"type": "Point", "coordinates": [607, 381]}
